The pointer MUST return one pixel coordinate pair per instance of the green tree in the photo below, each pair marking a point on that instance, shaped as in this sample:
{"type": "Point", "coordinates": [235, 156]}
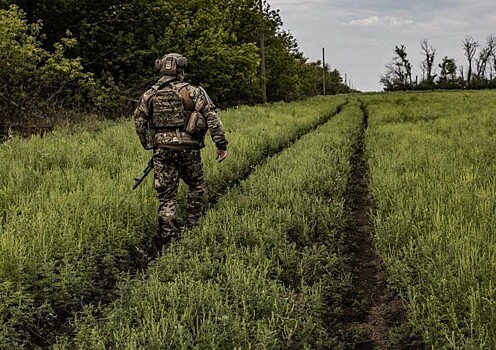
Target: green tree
{"type": "Point", "coordinates": [398, 75]}
{"type": "Point", "coordinates": [447, 77]}
{"type": "Point", "coordinates": [34, 81]}
{"type": "Point", "coordinates": [119, 40]}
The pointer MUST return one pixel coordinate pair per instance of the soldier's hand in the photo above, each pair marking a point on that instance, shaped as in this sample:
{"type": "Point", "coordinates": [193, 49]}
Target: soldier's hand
{"type": "Point", "coordinates": [221, 155]}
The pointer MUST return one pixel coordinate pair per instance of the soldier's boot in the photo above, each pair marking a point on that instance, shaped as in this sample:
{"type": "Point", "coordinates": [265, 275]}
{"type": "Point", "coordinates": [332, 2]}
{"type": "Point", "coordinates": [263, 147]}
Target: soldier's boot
{"type": "Point", "coordinates": [168, 231]}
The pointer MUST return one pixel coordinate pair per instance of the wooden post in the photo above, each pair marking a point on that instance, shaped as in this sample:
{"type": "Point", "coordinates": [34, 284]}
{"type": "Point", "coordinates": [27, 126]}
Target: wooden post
{"type": "Point", "coordinates": [262, 54]}
{"type": "Point", "coordinates": [323, 72]}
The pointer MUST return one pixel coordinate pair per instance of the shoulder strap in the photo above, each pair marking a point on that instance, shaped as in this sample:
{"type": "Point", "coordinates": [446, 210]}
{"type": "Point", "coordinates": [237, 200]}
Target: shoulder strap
{"type": "Point", "coordinates": [182, 89]}
{"type": "Point", "coordinates": [149, 103]}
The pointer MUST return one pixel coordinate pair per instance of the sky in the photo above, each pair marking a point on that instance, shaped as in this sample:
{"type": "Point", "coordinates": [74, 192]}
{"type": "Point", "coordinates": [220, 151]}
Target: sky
{"type": "Point", "coordinates": [359, 36]}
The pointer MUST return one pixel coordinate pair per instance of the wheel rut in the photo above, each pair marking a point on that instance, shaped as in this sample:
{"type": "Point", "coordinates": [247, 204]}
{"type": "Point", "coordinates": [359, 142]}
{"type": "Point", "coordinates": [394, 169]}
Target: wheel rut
{"type": "Point", "coordinates": [212, 199]}
{"type": "Point", "coordinates": [373, 310]}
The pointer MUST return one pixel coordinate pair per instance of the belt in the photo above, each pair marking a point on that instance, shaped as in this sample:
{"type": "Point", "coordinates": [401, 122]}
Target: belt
{"type": "Point", "coordinates": [167, 129]}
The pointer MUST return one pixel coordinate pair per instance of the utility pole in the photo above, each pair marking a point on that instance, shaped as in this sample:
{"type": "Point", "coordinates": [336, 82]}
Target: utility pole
{"type": "Point", "coordinates": [262, 53]}
{"type": "Point", "coordinates": [323, 72]}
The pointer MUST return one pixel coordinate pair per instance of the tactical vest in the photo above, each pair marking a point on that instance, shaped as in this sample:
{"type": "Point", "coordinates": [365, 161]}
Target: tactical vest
{"type": "Point", "coordinates": [171, 106]}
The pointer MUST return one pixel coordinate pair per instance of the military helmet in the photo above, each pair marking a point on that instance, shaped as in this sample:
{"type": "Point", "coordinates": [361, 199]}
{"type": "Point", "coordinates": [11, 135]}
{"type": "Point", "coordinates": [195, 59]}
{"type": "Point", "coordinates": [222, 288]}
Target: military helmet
{"type": "Point", "coordinates": [171, 64]}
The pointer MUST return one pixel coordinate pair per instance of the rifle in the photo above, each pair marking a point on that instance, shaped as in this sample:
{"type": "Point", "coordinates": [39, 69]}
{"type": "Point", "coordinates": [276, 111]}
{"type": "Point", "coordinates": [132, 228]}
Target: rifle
{"type": "Point", "coordinates": [147, 170]}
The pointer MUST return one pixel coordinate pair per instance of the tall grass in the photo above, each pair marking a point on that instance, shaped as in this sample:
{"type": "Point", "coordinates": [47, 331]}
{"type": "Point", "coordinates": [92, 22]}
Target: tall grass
{"type": "Point", "coordinates": [263, 270]}
{"type": "Point", "coordinates": [433, 179]}
{"type": "Point", "coordinates": [70, 225]}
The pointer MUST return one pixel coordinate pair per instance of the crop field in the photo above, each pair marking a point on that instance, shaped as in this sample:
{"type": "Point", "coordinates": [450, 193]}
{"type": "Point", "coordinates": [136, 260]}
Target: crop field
{"type": "Point", "coordinates": [273, 263]}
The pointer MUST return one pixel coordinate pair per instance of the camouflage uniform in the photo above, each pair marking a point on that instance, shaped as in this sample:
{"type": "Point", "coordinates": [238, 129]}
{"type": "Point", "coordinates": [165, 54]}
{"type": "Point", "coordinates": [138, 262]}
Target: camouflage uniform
{"type": "Point", "coordinates": [176, 155]}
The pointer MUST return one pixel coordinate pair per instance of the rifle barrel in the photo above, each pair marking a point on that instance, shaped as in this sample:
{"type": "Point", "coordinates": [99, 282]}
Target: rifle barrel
{"type": "Point", "coordinates": [147, 170]}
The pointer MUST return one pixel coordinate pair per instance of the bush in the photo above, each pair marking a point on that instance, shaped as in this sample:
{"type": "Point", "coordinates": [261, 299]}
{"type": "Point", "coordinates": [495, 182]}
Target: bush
{"type": "Point", "coordinates": [35, 84]}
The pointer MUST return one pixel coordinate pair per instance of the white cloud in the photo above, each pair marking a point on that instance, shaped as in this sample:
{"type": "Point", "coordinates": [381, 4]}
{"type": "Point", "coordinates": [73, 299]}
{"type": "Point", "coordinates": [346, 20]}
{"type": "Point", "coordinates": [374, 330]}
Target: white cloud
{"type": "Point", "coordinates": [365, 22]}
{"type": "Point", "coordinates": [388, 21]}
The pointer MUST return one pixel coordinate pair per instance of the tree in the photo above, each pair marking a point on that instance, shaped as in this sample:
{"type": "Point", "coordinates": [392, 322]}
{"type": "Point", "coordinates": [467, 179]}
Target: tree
{"type": "Point", "coordinates": [447, 76]}
{"type": "Point", "coordinates": [401, 52]}
{"type": "Point", "coordinates": [118, 41]}
{"type": "Point", "coordinates": [485, 55]}
{"type": "Point", "coordinates": [494, 63]}
{"type": "Point", "coordinates": [427, 63]}
{"type": "Point", "coordinates": [470, 49]}
{"type": "Point", "coordinates": [398, 74]}
{"type": "Point", "coordinates": [34, 81]}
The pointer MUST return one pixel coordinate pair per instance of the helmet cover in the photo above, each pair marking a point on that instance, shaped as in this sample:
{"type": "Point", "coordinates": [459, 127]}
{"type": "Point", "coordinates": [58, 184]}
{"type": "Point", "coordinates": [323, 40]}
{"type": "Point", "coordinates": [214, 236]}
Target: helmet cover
{"type": "Point", "coordinates": [171, 64]}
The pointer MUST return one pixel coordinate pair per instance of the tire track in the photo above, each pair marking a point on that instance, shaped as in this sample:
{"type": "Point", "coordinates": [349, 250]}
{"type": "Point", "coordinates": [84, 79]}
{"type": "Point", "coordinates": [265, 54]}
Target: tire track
{"type": "Point", "coordinates": [373, 312]}
{"type": "Point", "coordinates": [212, 200]}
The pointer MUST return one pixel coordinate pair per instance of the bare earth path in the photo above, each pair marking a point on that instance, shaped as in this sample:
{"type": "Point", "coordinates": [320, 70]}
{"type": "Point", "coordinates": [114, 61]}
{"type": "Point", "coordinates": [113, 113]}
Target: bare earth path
{"type": "Point", "coordinates": [373, 310]}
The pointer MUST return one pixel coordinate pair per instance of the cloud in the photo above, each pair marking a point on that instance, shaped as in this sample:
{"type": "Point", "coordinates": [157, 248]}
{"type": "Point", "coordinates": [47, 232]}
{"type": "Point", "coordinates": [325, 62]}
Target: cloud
{"type": "Point", "coordinates": [387, 21]}
{"type": "Point", "coordinates": [353, 29]}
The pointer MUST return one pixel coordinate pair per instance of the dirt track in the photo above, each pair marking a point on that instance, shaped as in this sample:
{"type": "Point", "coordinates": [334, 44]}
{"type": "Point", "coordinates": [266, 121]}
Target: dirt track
{"type": "Point", "coordinates": [373, 308]}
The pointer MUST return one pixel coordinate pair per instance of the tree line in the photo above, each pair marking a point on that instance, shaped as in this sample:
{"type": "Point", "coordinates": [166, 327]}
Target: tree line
{"type": "Point", "coordinates": [478, 73]}
{"type": "Point", "coordinates": [99, 55]}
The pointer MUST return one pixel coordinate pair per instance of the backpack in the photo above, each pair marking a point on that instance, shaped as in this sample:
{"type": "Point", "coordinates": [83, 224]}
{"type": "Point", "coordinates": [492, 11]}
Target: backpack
{"type": "Point", "coordinates": [167, 106]}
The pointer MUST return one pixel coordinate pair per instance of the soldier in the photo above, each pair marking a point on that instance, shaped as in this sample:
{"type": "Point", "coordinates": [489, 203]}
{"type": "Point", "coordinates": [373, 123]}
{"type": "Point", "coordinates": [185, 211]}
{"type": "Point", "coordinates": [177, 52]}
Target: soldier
{"type": "Point", "coordinates": [172, 118]}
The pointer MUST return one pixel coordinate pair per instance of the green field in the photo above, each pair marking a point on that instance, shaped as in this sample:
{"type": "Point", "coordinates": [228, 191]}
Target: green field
{"type": "Point", "coordinates": [268, 267]}
{"type": "Point", "coordinates": [71, 227]}
{"type": "Point", "coordinates": [433, 177]}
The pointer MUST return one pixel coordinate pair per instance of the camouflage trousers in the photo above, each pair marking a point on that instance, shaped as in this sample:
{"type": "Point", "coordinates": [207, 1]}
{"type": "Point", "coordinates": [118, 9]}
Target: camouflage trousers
{"type": "Point", "coordinates": [170, 166]}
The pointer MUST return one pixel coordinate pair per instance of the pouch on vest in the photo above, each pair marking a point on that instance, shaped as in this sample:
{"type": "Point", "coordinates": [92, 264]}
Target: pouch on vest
{"type": "Point", "coordinates": [197, 125]}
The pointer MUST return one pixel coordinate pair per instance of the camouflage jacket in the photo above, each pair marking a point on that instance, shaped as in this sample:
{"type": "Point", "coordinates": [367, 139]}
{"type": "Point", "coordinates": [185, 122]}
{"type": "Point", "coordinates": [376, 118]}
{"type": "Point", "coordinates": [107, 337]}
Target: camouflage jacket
{"type": "Point", "coordinates": [171, 139]}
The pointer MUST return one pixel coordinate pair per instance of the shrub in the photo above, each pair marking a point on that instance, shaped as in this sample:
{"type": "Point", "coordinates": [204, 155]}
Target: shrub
{"type": "Point", "coordinates": [35, 84]}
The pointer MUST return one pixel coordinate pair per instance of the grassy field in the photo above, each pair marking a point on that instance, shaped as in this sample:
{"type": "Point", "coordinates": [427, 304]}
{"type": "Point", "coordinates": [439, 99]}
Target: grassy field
{"type": "Point", "coordinates": [71, 227]}
{"type": "Point", "coordinates": [264, 269]}
{"type": "Point", "coordinates": [433, 177]}
{"type": "Point", "coordinates": [268, 266]}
